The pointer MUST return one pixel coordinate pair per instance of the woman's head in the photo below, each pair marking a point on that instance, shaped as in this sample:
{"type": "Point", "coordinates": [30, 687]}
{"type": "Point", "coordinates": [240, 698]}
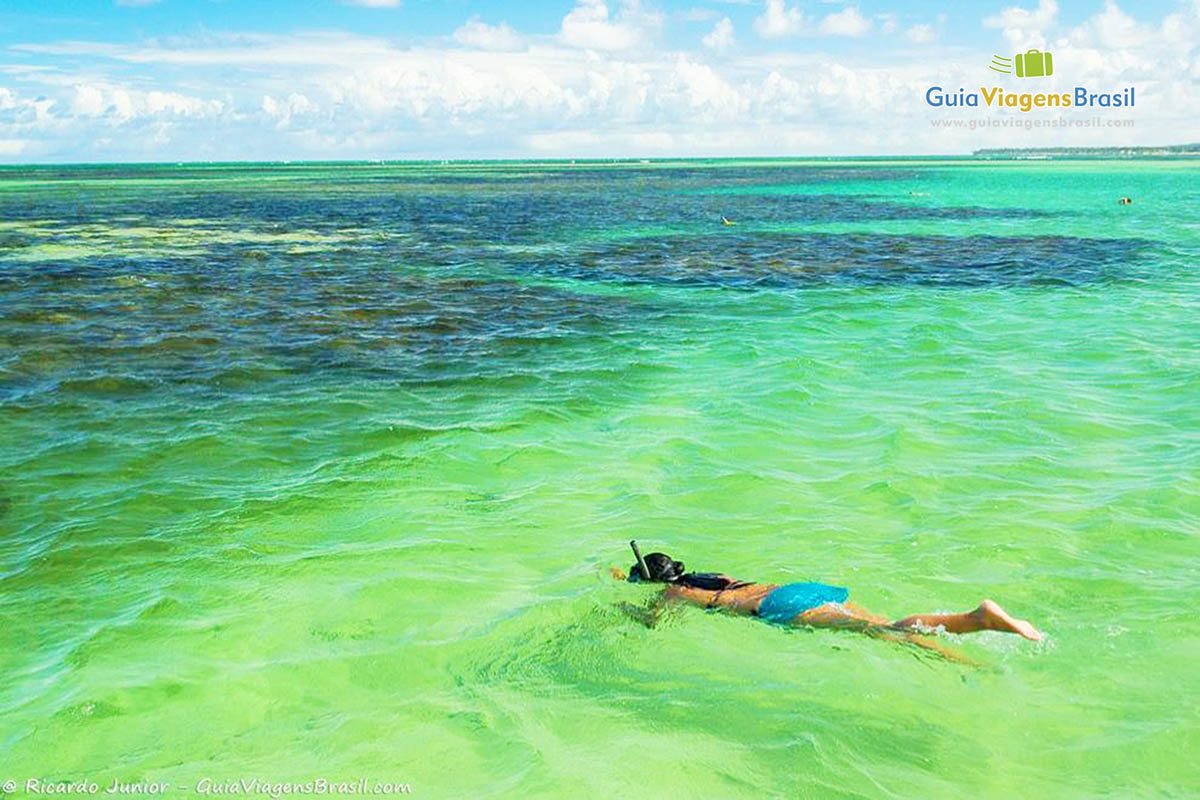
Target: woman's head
{"type": "Point", "coordinates": [663, 569]}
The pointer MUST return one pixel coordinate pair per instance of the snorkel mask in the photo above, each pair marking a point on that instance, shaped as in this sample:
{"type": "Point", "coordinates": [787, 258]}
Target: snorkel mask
{"type": "Point", "coordinates": [641, 562]}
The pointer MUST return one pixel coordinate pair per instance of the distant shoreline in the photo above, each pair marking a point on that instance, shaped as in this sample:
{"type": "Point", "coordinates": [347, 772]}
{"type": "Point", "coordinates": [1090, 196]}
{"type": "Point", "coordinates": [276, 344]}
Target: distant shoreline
{"type": "Point", "coordinates": [986, 154]}
{"type": "Point", "coordinates": [1172, 151]}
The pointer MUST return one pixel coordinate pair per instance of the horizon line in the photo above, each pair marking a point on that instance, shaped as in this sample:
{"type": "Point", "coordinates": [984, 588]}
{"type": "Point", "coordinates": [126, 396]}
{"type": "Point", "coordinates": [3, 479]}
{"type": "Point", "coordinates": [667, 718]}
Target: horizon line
{"type": "Point", "coordinates": [1181, 150]}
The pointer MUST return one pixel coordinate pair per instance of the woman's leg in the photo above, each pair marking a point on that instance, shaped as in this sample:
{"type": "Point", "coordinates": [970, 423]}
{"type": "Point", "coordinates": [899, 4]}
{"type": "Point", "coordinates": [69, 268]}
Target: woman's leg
{"type": "Point", "coordinates": [987, 617]}
{"type": "Point", "coordinates": [851, 617]}
{"type": "Point", "coordinates": [844, 616]}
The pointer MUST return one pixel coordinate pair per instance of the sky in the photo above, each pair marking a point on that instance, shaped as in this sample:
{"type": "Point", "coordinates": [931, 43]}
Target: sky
{"type": "Point", "coordinates": [232, 80]}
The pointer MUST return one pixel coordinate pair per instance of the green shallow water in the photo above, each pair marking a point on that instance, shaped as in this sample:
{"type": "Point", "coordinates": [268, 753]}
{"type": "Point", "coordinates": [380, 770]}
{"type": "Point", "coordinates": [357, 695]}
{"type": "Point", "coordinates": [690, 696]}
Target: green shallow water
{"type": "Point", "coordinates": [319, 470]}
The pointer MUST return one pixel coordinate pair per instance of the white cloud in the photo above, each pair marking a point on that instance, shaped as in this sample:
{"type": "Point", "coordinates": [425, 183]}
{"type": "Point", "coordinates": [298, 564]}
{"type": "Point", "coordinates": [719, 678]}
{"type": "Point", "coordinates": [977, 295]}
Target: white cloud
{"type": "Point", "coordinates": [847, 22]}
{"type": "Point", "coordinates": [1017, 17]}
{"type": "Point", "coordinates": [89, 101]}
{"type": "Point", "coordinates": [720, 38]}
{"type": "Point", "coordinates": [374, 3]}
{"type": "Point", "coordinates": [778, 19]}
{"type": "Point", "coordinates": [1162, 59]}
{"type": "Point", "coordinates": [698, 93]}
{"type": "Point", "coordinates": [120, 104]}
{"type": "Point", "coordinates": [282, 111]}
{"type": "Point", "coordinates": [1113, 28]}
{"type": "Point", "coordinates": [589, 25]}
{"type": "Point", "coordinates": [920, 33]}
{"type": "Point", "coordinates": [1023, 27]}
{"type": "Point", "coordinates": [887, 23]}
{"type": "Point", "coordinates": [476, 33]}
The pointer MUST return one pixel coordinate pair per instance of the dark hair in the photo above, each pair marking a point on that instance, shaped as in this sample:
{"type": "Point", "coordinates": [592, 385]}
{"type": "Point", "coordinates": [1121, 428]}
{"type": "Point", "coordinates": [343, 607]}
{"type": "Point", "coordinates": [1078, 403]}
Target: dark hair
{"type": "Point", "coordinates": [663, 569]}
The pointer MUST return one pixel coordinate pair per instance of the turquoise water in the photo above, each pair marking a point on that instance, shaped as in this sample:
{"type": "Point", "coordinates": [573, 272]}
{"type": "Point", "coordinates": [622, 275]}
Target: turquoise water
{"type": "Point", "coordinates": [318, 471]}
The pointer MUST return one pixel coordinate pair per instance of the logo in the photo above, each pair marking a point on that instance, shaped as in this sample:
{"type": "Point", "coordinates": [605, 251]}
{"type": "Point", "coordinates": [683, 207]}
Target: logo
{"type": "Point", "coordinates": [1032, 63]}
{"type": "Point", "coordinates": [1033, 108]}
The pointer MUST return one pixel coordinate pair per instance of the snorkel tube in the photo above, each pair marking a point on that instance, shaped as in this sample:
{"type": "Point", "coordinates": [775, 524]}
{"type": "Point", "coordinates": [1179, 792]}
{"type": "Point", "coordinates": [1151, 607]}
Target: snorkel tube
{"type": "Point", "coordinates": [641, 561]}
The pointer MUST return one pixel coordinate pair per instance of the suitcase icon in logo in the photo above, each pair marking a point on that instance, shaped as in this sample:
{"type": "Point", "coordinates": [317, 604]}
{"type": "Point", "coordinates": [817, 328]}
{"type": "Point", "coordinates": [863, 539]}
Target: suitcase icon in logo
{"type": "Point", "coordinates": [1034, 64]}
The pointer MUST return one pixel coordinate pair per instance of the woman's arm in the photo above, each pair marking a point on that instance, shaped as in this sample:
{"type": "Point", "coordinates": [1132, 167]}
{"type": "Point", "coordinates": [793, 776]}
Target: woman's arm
{"type": "Point", "coordinates": [650, 614]}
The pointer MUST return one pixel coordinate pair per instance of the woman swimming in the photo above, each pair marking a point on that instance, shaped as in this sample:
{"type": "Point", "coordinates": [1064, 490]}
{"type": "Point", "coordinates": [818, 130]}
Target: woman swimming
{"type": "Point", "coordinates": [813, 604]}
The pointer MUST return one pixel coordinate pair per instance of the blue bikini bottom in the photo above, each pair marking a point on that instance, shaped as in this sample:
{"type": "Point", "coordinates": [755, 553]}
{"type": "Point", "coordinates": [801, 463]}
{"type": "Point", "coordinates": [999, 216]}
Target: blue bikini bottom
{"type": "Point", "coordinates": [787, 602]}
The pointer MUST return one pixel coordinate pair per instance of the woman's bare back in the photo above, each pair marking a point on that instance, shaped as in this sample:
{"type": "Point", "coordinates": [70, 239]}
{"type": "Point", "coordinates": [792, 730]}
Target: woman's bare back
{"type": "Point", "coordinates": [744, 599]}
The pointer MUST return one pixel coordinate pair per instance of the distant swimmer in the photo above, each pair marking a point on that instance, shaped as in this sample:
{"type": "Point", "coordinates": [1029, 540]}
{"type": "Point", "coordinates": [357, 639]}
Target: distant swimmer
{"type": "Point", "coordinates": [816, 605]}
{"type": "Point", "coordinates": [1126, 201]}
{"type": "Point", "coordinates": [726, 221]}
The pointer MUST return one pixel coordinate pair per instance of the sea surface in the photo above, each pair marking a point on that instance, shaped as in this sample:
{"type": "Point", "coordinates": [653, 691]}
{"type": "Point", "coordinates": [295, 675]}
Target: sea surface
{"type": "Point", "coordinates": [318, 471]}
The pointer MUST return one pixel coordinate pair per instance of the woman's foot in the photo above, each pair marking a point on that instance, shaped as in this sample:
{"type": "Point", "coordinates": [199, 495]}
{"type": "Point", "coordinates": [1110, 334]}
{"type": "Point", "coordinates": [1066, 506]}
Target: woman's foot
{"type": "Point", "coordinates": [995, 618]}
